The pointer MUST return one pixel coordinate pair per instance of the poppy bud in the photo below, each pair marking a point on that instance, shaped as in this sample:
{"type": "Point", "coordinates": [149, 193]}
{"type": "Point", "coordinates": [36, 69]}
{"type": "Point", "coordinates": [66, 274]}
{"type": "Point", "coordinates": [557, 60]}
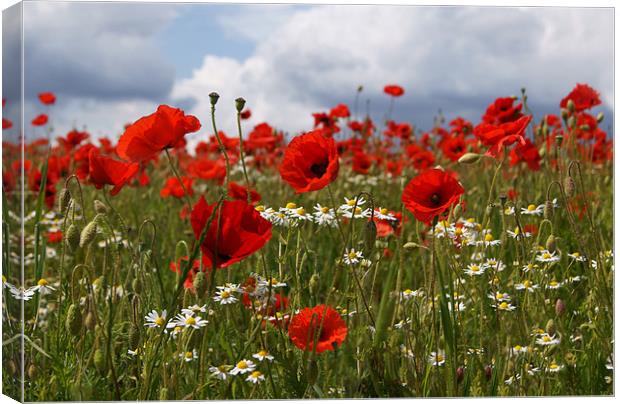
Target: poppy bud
{"type": "Point", "coordinates": [199, 283]}
{"type": "Point", "coordinates": [564, 113]}
{"type": "Point", "coordinates": [214, 97]}
{"type": "Point", "coordinates": [134, 336]}
{"type": "Point", "coordinates": [73, 323]}
{"type": "Point", "coordinates": [239, 104]}
{"type": "Point", "coordinates": [571, 122]}
{"type": "Point", "coordinates": [314, 284]}
{"type": "Point", "coordinates": [32, 371]}
{"type": "Point", "coordinates": [469, 158]}
{"type": "Point", "coordinates": [312, 372]}
{"type": "Point", "coordinates": [548, 210]}
{"type": "Point", "coordinates": [584, 127]}
{"type": "Point", "coordinates": [11, 367]}
{"type": "Point", "coordinates": [411, 246]}
{"type": "Point", "coordinates": [570, 105]}
{"type": "Point", "coordinates": [73, 237]}
{"type": "Point", "coordinates": [600, 117]}
{"type": "Point", "coordinates": [550, 328]}
{"type": "Point", "coordinates": [456, 212]}
{"type": "Point", "coordinates": [99, 361]}
{"type": "Point", "coordinates": [550, 245]}
{"type": "Point", "coordinates": [88, 234]}
{"type": "Point", "coordinates": [569, 186]}
{"type": "Point", "coordinates": [100, 207]}
{"type": "Point", "coordinates": [360, 89]}
{"type": "Point", "coordinates": [64, 197]}
{"type": "Point", "coordinates": [489, 209]}
{"type": "Point", "coordinates": [90, 321]}
{"type": "Point", "coordinates": [488, 372]}
{"type": "Point", "coordinates": [370, 236]}
{"type": "Point", "coordinates": [181, 250]}
{"type": "Point", "coordinates": [136, 286]}
{"type": "Point", "coordinates": [460, 374]}
{"type": "Point", "coordinates": [559, 139]}
{"type": "Point", "coordinates": [560, 307]}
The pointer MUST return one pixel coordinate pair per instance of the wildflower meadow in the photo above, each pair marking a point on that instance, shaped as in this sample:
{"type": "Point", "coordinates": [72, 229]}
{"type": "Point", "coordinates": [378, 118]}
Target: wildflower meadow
{"type": "Point", "coordinates": [362, 258]}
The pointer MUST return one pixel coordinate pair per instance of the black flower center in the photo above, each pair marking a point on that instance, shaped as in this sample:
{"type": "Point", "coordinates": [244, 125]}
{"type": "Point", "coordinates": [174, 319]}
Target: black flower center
{"type": "Point", "coordinates": [435, 198]}
{"type": "Point", "coordinates": [319, 169]}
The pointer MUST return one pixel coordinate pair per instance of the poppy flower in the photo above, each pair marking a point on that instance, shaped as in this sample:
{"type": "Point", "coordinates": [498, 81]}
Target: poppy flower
{"type": "Point", "coordinates": [501, 111]}
{"type": "Point", "coordinates": [583, 97]}
{"type": "Point", "coordinates": [453, 147]}
{"type": "Point", "coordinates": [151, 134]}
{"type": "Point", "coordinates": [54, 237]}
{"type": "Point", "coordinates": [239, 192]}
{"type": "Point", "coordinates": [242, 232]}
{"type": "Point", "coordinates": [362, 163]}
{"type": "Point", "coordinates": [305, 324]}
{"type": "Point", "coordinates": [245, 114]}
{"type": "Point", "coordinates": [6, 124]}
{"type": "Point", "coordinates": [340, 111]}
{"type": "Point", "coordinates": [73, 139]}
{"type": "Point", "coordinates": [393, 90]}
{"type": "Point", "coordinates": [188, 283]}
{"type": "Point", "coordinates": [310, 162]}
{"type": "Point", "coordinates": [497, 137]}
{"type": "Point", "coordinates": [104, 170]}
{"type": "Point", "coordinates": [174, 188]}
{"type": "Point", "coordinates": [207, 169]}
{"type": "Point", "coordinates": [431, 193]}
{"type": "Point", "coordinates": [40, 120]}
{"type": "Point", "coordinates": [528, 153]}
{"type": "Point", "coordinates": [47, 98]}
{"type": "Point", "coordinates": [262, 137]}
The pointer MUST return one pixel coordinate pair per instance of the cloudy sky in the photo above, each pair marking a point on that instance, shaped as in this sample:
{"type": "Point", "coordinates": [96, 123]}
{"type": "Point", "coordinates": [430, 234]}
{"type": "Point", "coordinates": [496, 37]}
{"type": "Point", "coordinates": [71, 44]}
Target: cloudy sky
{"type": "Point", "coordinates": [111, 63]}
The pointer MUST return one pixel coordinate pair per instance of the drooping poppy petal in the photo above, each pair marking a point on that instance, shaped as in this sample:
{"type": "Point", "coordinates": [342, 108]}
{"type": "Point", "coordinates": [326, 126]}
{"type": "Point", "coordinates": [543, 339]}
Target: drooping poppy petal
{"type": "Point", "coordinates": [306, 324]}
{"type": "Point", "coordinates": [107, 171]}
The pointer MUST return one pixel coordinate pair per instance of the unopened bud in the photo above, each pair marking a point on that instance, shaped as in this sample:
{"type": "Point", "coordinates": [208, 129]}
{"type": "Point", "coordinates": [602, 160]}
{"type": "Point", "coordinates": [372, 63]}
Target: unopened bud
{"type": "Point", "coordinates": [456, 212]}
{"type": "Point", "coordinates": [460, 374]}
{"type": "Point", "coordinates": [571, 122]}
{"type": "Point", "coordinates": [73, 323]}
{"type": "Point", "coordinates": [411, 246]}
{"type": "Point", "coordinates": [32, 371]}
{"type": "Point", "coordinates": [370, 236]}
{"type": "Point", "coordinates": [134, 336]}
{"type": "Point", "coordinates": [470, 158]}
{"type": "Point", "coordinates": [99, 361]}
{"type": "Point", "coordinates": [570, 105]}
{"type": "Point", "coordinates": [559, 139]}
{"type": "Point", "coordinates": [548, 210]}
{"type": "Point", "coordinates": [64, 197]}
{"type": "Point", "coordinates": [550, 328]}
{"type": "Point", "coordinates": [560, 307]}
{"type": "Point", "coordinates": [488, 372]}
{"type": "Point", "coordinates": [239, 104]}
{"type": "Point", "coordinates": [550, 245]}
{"type": "Point", "coordinates": [564, 113]}
{"type": "Point", "coordinates": [90, 321]}
{"type": "Point", "coordinates": [584, 127]}
{"type": "Point", "coordinates": [314, 284]}
{"type": "Point", "coordinates": [214, 97]}
{"type": "Point", "coordinates": [100, 207]}
{"type": "Point", "coordinates": [200, 283]}
{"type": "Point", "coordinates": [72, 237]}
{"type": "Point", "coordinates": [600, 117]}
{"type": "Point", "coordinates": [569, 186]}
{"type": "Point", "coordinates": [88, 234]}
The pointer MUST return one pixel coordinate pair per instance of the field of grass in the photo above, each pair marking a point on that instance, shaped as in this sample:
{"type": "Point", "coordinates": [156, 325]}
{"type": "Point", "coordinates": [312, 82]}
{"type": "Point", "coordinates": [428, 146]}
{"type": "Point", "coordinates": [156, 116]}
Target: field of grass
{"type": "Point", "coordinates": [508, 291]}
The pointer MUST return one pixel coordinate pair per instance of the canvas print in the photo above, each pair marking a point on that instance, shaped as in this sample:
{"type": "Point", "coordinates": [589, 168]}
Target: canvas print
{"type": "Point", "coordinates": [207, 201]}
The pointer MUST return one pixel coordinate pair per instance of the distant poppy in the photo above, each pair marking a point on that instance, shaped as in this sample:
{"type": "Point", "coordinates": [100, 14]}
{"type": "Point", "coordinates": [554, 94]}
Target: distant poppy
{"type": "Point", "coordinates": [497, 137]}
{"type": "Point", "coordinates": [362, 163]}
{"type": "Point", "coordinates": [174, 188]}
{"type": "Point", "coordinates": [151, 134]}
{"type": "Point", "coordinates": [73, 139]}
{"type": "Point", "coordinates": [54, 237]}
{"type": "Point", "coordinates": [207, 169]}
{"type": "Point", "coordinates": [107, 171]}
{"type": "Point", "coordinates": [340, 111]}
{"type": "Point", "coordinates": [40, 120]}
{"type": "Point", "coordinates": [453, 147]}
{"type": "Point", "coordinates": [431, 193]}
{"type": "Point", "coordinates": [239, 192]}
{"type": "Point", "coordinates": [502, 110]}
{"type": "Point", "coordinates": [306, 324]}
{"type": "Point", "coordinates": [528, 153]}
{"type": "Point", "coordinates": [393, 90]}
{"type": "Point", "coordinates": [47, 98]}
{"type": "Point", "coordinates": [310, 162]}
{"type": "Point", "coordinates": [177, 267]}
{"type": "Point", "coordinates": [242, 232]}
{"type": "Point", "coordinates": [6, 124]}
{"type": "Point", "coordinates": [583, 96]}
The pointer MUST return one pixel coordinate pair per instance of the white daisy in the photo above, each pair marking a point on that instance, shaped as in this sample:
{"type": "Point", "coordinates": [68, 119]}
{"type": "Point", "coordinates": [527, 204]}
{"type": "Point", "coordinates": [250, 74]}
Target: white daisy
{"type": "Point", "coordinates": [189, 356]}
{"type": "Point", "coordinates": [533, 210]}
{"type": "Point", "coordinates": [546, 256]}
{"type": "Point", "coordinates": [225, 296]}
{"type": "Point", "coordinates": [187, 320]}
{"type": "Point", "coordinates": [262, 355]}
{"type": "Point", "coordinates": [243, 366]}
{"type": "Point", "coordinates": [474, 269]}
{"type": "Point", "coordinates": [504, 306]}
{"type": "Point", "coordinates": [154, 319]}
{"type": "Point", "coordinates": [546, 339]}
{"type": "Point", "coordinates": [352, 257]}
{"type": "Point", "coordinates": [255, 377]}
{"type": "Point", "coordinates": [219, 372]}
{"type": "Point", "coordinates": [437, 358]}
{"type": "Point", "coordinates": [526, 285]}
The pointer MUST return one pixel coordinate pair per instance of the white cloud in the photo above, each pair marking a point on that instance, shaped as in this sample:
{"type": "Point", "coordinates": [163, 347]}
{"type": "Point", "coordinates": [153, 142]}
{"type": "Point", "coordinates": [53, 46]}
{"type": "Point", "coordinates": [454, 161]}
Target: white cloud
{"type": "Point", "coordinates": [456, 58]}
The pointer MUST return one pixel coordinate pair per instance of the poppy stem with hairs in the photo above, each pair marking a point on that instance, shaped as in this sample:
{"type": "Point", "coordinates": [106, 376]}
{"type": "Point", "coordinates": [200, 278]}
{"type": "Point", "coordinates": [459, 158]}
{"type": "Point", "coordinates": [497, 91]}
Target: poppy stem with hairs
{"type": "Point", "coordinates": [240, 104]}
{"type": "Point", "coordinates": [214, 97]}
{"type": "Point", "coordinates": [176, 174]}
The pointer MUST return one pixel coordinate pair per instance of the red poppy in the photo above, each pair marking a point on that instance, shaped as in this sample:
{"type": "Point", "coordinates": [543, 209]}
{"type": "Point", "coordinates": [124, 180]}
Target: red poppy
{"type": "Point", "coordinates": [340, 111]}
{"type": "Point", "coordinates": [400, 130]}
{"type": "Point", "coordinates": [526, 152]}
{"type": "Point", "coordinates": [47, 98]}
{"type": "Point", "coordinates": [502, 135]}
{"type": "Point", "coordinates": [106, 171]}
{"type": "Point", "coordinates": [188, 283]}
{"type": "Point", "coordinates": [431, 193]}
{"type": "Point", "coordinates": [420, 158]}
{"type": "Point", "coordinates": [583, 96]}
{"type": "Point", "coordinates": [263, 137]}
{"type": "Point", "coordinates": [386, 227]}
{"type": "Point", "coordinates": [310, 162]}
{"type": "Point", "coordinates": [242, 232]}
{"type": "Point", "coordinates": [73, 139]}
{"type": "Point", "coordinates": [151, 134]}
{"type": "Point", "coordinates": [6, 124]}
{"type": "Point", "coordinates": [245, 114]}
{"type": "Point", "coordinates": [501, 111]}
{"type": "Point", "coordinates": [307, 323]}
{"type": "Point", "coordinates": [54, 237]}
{"type": "Point", "coordinates": [362, 163]}
{"type": "Point", "coordinates": [208, 169]}
{"type": "Point", "coordinates": [40, 120]}
{"type": "Point", "coordinates": [453, 147]}
{"type": "Point", "coordinates": [393, 90]}
{"type": "Point", "coordinates": [174, 188]}
{"type": "Point", "coordinates": [239, 192]}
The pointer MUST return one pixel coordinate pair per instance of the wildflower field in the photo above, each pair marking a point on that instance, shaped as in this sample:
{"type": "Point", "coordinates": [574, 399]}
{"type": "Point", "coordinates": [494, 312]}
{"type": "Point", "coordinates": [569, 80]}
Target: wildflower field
{"type": "Point", "coordinates": [363, 258]}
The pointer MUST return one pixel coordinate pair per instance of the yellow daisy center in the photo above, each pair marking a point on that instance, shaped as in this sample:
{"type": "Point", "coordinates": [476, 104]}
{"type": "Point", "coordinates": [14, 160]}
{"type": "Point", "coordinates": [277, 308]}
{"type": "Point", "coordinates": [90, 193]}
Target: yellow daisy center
{"type": "Point", "coordinates": [531, 207]}
{"type": "Point", "coordinates": [225, 294]}
{"type": "Point", "coordinates": [527, 283]}
{"type": "Point", "coordinates": [263, 353]}
{"type": "Point", "coordinates": [42, 282]}
{"type": "Point", "coordinates": [190, 321]}
{"type": "Point", "coordinates": [256, 374]}
{"type": "Point", "coordinates": [189, 355]}
{"type": "Point", "coordinates": [383, 211]}
{"type": "Point", "coordinates": [291, 205]}
{"type": "Point", "coordinates": [503, 306]}
{"type": "Point", "coordinates": [518, 347]}
{"type": "Point", "coordinates": [260, 208]}
{"type": "Point", "coordinates": [159, 321]}
{"type": "Point", "coordinates": [488, 237]}
{"type": "Point", "coordinates": [324, 209]}
{"type": "Point", "coordinates": [301, 211]}
{"type": "Point", "coordinates": [242, 365]}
